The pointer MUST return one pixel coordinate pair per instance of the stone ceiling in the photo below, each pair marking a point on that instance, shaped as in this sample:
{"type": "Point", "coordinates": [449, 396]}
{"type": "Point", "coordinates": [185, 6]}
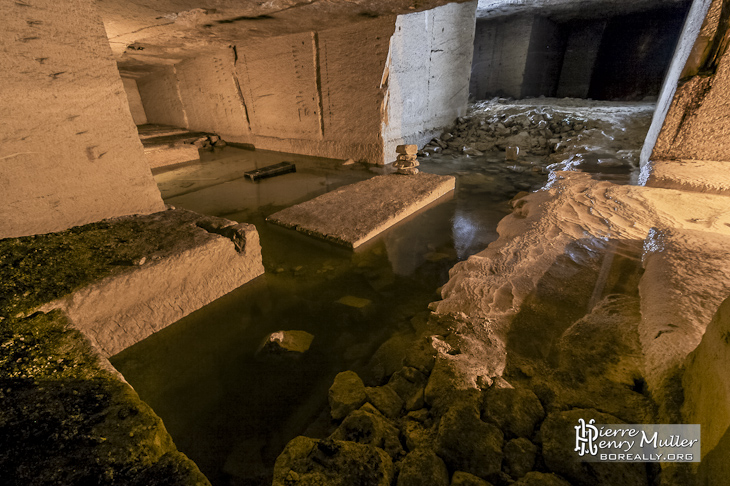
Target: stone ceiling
{"type": "Point", "coordinates": [146, 34]}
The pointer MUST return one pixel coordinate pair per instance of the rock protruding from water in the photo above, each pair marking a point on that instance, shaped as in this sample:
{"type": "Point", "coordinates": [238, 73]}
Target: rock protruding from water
{"type": "Point", "coordinates": [385, 399]}
{"type": "Point", "coordinates": [409, 384]}
{"type": "Point", "coordinates": [462, 478]}
{"type": "Point", "coordinates": [537, 131]}
{"type": "Point", "coordinates": [423, 468]}
{"type": "Point", "coordinates": [346, 394]}
{"type": "Point", "coordinates": [519, 457]}
{"type": "Point", "coordinates": [467, 444]}
{"type": "Point", "coordinates": [308, 461]}
{"type": "Point", "coordinates": [367, 426]}
{"type": "Point", "coordinates": [407, 160]}
{"type": "Point", "coordinates": [448, 385]}
{"type": "Point", "coordinates": [514, 410]}
{"type": "Point", "coordinates": [535, 478]}
{"type": "Point", "coordinates": [290, 343]}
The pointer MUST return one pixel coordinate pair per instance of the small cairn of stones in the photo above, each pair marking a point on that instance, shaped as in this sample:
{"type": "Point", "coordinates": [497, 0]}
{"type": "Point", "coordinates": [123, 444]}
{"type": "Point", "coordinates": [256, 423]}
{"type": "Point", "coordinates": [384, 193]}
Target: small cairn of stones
{"type": "Point", "coordinates": [208, 142]}
{"type": "Point", "coordinates": [407, 160]}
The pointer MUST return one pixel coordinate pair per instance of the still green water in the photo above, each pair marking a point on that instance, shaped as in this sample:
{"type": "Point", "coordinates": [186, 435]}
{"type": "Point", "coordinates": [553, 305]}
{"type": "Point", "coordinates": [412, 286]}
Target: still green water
{"type": "Point", "coordinates": [232, 411]}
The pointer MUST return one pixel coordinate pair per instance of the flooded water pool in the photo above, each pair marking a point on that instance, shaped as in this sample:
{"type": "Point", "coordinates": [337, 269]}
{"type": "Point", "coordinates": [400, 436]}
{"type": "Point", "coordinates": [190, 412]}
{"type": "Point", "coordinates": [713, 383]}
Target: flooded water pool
{"type": "Point", "coordinates": [232, 410]}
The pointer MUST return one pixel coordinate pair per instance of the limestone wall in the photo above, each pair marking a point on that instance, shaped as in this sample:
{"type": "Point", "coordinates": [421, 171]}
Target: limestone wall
{"type": "Point", "coordinates": [280, 86]}
{"type": "Point", "coordinates": [428, 73]}
{"type": "Point", "coordinates": [516, 57]}
{"type": "Point", "coordinates": [634, 55]}
{"type": "Point", "coordinates": [706, 383]}
{"type": "Point", "coordinates": [544, 58]}
{"type": "Point", "coordinates": [210, 96]}
{"type": "Point", "coordinates": [324, 93]}
{"type": "Point", "coordinates": [161, 98]}
{"type": "Point", "coordinates": [698, 123]}
{"type": "Point", "coordinates": [581, 52]}
{"type": "Point", "coordinates": [135, 101]}
{"type": "Point", "coordinates": [312, 93]}
{"type": "Point", "coordinates": [689, 122]}
{"type": "Point", "coordinates": [500, 56]}
{"type": "Point", "coordinates": [318, 93]}
{"type": "Point", "coordinates": [69, 150]}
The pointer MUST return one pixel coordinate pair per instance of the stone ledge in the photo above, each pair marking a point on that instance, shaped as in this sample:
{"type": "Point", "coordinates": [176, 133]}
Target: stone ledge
{"type": "Point", "coordinates": [704, 176]}
{"type": "Point", "coordinates": [68, 417]}
{"type": "Point", "coordinates": [164, 156]}
{"type": "Point", "coordinates": [686, 278]}
{"type": "Point", "coordinates": [121, 280]}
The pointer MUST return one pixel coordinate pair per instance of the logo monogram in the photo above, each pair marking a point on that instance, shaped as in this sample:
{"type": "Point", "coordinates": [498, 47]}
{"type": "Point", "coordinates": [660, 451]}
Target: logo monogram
{"type": "Point", "coordinates": [585, 437]}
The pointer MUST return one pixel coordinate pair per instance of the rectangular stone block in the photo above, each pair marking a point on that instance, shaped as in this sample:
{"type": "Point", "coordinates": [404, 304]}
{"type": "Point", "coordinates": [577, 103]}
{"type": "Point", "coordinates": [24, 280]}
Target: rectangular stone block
{"type": "Point", "coordinates": [354, 214]}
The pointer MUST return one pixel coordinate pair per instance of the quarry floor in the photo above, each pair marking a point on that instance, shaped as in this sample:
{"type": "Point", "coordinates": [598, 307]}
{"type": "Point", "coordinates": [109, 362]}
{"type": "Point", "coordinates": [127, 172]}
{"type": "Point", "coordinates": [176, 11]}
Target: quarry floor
{"type": "Point", "coordinates": [423, 313]}
{"type": "Point", "coordinates": [308, 284]}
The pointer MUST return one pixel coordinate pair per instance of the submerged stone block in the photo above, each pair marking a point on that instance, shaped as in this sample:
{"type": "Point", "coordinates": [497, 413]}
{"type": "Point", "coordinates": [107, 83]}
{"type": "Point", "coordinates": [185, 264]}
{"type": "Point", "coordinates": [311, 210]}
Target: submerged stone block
{"type": "Point", "coordinates": [354, 214]}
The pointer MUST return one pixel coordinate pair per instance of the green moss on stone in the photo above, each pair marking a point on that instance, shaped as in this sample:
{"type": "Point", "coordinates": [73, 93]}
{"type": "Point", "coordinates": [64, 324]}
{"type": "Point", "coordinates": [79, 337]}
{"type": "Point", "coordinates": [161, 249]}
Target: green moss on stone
{"type": "Point", "coordinates": [37, 269]}
{"type": "Point", "coordinates": [65, 419]}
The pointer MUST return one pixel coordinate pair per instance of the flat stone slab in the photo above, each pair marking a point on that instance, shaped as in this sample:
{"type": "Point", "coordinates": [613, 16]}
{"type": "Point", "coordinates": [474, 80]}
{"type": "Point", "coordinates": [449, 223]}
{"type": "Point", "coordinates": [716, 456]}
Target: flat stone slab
{"type": "Point", "coordinates": [167, 155]}
{"type": "Point", "coordinates": [119, 281]}
{"type": "Point", "coordinates": [705, 176]}
{"type": "Point", "coordinates": [150, 133]}
{"type": "Point", "coordinates": [354, 214]}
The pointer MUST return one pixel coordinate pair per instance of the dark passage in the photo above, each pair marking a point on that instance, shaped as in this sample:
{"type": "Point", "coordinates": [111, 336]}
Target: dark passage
{"type": "Point", "coordinates": [635, 53]}
{"type": "Point", "coordinates": [608, 57]}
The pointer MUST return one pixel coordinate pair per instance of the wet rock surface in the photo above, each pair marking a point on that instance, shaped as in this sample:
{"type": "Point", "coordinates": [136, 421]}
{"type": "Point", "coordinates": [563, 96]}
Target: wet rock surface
{"type": "Point", "coordinates": [287, 343]}
{"type": "Point", "coordinates": [468, 444]}
{"type": "Point", "coordinates": [423, 468]}
{"type": "Point", "coordinates": [541, 479]}
{"type": "Point", "coordinates": [385, 399]}
{"type": "Point", "coordinates": [67, 419]}
{"type": "Point", "coordinates": [313, 462]}
{"type": "Point", "coordinates": [551, 134]}
{"type": "Point", "coordinates": [346, 394]}
{"type": "Point", "coordinates": [519, 457]}
{"type": "Point", "coordinates": [461, 478]}
{"type": "Point", "coordinates": [367, 426]}
{"type": "Point", "coordinates": [514, 410]}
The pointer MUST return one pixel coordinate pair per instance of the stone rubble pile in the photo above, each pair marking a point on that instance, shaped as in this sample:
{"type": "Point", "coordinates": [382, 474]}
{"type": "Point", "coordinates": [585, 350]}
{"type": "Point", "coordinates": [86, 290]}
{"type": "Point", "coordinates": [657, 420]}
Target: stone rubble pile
{"type": "Point", "coordinates": [539, 131]}
{"type": "Point", "coordinates": [407, 160]}
{"type": "Point", "coordinates": [425, 422]}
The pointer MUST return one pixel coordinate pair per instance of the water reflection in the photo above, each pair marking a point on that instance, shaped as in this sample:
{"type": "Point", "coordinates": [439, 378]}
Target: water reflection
{"type": "Point", "coordinates": [232, 411]}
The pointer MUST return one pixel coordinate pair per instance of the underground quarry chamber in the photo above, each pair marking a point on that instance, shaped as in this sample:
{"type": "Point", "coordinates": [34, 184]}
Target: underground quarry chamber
{"type": "Point", "coordinates": [376, 243]}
